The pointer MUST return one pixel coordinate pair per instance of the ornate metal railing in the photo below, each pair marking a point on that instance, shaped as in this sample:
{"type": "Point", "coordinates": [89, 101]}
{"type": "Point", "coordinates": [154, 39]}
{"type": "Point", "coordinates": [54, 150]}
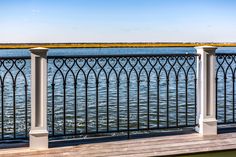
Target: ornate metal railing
{"type": "Point", "coordinates": [106, 94]}
{"type": "Point", "coordinates": [122, 93]}
{"type": "Point", "coordinates": [111, 94]}
{"type": "Point", "coordinates": [14, 97]}
{"type": "Point", "coordinates": [225, 88]}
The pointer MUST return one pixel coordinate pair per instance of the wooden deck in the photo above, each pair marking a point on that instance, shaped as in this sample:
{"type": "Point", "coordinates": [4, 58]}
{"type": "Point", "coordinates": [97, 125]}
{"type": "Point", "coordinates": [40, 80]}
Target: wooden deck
{"type": "Point", "coordinates": [152, 146]}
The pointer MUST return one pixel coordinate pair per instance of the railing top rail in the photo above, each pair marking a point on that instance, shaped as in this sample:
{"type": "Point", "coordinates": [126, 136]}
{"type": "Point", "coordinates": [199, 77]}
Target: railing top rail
{"type": "Point", "coordinates": [225, 54]}
{"type": "Point", "coordinates": [14, 57]}
{"type": "Point", "coordinates": [121, 55]}
{"type": "Point", "coordinates": [102, 56]}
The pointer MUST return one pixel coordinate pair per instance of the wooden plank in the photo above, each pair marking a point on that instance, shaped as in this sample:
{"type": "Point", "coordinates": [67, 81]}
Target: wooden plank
{"type": "Point", "coordinates": [155, 146]}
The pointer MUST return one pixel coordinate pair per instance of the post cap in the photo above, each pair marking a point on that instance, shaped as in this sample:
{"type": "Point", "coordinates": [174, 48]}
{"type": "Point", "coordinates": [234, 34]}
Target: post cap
{"type": "Point", "coordinates": [205, 47]}
{"type": "Point", "coordinates": [39, 50]}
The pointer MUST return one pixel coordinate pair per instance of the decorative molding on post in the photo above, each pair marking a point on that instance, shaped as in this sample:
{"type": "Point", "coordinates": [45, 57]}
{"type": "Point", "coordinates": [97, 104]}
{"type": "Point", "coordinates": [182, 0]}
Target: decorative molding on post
{"type": "Point", "coordinates": [206, 105]}
{"type": "Point", "coordinates": [38, 132]}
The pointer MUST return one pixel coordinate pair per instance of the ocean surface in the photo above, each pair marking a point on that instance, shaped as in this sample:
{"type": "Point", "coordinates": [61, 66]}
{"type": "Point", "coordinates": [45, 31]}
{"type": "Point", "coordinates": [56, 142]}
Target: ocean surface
{"type": "Point", "coordinates": [105, 51]}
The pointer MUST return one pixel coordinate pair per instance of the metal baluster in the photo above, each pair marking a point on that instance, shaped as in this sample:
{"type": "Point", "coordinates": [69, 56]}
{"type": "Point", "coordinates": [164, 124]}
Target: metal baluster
{"type": "Point", "coordinates": [118, 105]}
{"type": "Point", "coordinates": [138, 102]}
{"type": "Point", "coordinates": [86, 106]}
{"type": "Point", "coordinates": [75, 103]}
{"type": "Point", "coordinates": [107, 82]}
{"type": "Point", "coordinates": [14, 109]}
{"type": "Point", "coordinates": [195, 100]}
{"type": "Point", "coordinates": [177, 100]}
{"type": "Point", "coordinates": [128, 127]}
{"type": "Point", "coordinates": [216, 93]}
{"type": "Point", "coordinates": [64, 107]}
{"type": "Point", "coordinates": [2, 110]}
{"type": "Point", "coordinates": [26, 111]}
{"type": "Point", "coordinates": [158, 102]}
{"type": "Point", "coordinates": [186, 100]}
{"type": "Point", "coordinates": [53, 109]}
{"type": "Point", "coordinates": [225, 79]}
{"type": "Point", "coordinates": [97, 82]}
{"type": "Point", "coordinates": [195, 94]}
{"type": "Point", "coordinates": [233, 98]}
{"type": "Point", "coordinates": [167, 105]}
{"type": "Point", "coordinates": [148, 103]}
{"type": "Point", "coordinates": [219, 66]}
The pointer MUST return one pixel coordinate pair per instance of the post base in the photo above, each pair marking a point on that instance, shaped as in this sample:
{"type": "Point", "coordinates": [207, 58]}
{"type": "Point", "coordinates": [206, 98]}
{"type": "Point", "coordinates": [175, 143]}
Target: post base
{"type": "Point", "coordinates": [38, 139]}
{"type": "Point", "coordinates": [207, 127]}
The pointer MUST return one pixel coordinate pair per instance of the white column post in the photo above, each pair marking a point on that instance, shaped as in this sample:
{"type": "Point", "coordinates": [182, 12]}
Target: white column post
{"type": "Point", "coordinates": [38, 132]}
{"type": "Point", "coordinates": [206, 105]}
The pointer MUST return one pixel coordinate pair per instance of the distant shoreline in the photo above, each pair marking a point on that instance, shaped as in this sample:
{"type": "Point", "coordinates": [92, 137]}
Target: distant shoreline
{"type": "Point", "coordinates": [110, 45]}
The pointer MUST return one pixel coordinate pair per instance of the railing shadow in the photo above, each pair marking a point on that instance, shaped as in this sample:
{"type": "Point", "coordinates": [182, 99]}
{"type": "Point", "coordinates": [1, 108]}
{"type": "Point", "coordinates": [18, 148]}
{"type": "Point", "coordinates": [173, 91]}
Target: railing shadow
{"type": "Point", "coordinates": [14, 144]}
{"type": "Point", "coordinates": [102, 139]}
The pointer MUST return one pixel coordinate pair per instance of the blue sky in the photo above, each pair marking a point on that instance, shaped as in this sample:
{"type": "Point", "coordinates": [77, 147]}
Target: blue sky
{"type": "Point", "coordinates": [117, 21]}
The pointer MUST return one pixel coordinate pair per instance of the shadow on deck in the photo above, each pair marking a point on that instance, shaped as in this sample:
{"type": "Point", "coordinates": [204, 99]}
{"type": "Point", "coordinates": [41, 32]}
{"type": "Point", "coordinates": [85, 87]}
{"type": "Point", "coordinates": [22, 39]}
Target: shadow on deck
{"type": "Point", "coordinates": [153, 144]}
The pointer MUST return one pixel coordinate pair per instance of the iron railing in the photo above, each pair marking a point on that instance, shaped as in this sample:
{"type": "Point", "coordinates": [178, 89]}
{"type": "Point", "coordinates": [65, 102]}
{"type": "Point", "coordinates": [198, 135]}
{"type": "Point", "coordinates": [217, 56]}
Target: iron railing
{"type": "Point", "coordinates": [14, 97]}
{"type": "Point", "coordinates": [225, 88]}
{"type": "Point", "coordinates": [106, 94]}
{"type": "Point", "coordinates": [122, 93]}
{"type": "Point", "coordinates": [110, 94]}
{"type": "Point", "coordinates": [113, 93]}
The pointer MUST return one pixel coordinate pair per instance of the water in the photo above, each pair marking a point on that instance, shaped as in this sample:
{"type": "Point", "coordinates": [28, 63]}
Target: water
{"type": "Point", "coordinates": [103, 51]}
{"type": "Point", "coordinates": [100, 51]}
{"type": "Point", "coordinates": [20, 92]}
